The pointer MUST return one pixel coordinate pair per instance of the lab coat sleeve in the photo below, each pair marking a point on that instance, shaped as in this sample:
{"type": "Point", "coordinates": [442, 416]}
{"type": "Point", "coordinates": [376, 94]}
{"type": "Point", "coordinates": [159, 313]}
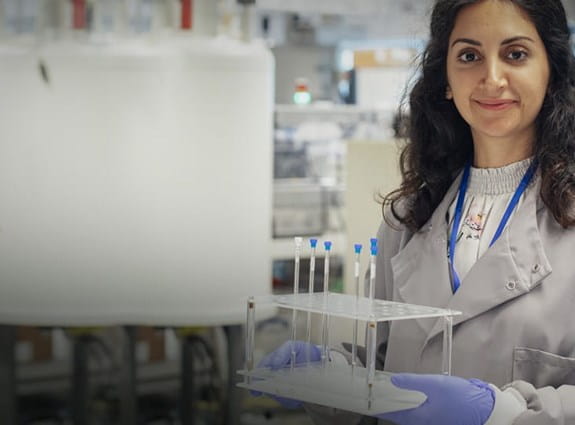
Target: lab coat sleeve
{"type": "Point", "coordinates": [509, 404]}
{"type": "Point", "coordinates": [547, 405]}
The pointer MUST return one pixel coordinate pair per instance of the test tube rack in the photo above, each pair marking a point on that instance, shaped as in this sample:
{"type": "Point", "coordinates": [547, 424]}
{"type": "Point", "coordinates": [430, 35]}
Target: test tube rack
{"type": "Point", "coordinates": [352, 387]}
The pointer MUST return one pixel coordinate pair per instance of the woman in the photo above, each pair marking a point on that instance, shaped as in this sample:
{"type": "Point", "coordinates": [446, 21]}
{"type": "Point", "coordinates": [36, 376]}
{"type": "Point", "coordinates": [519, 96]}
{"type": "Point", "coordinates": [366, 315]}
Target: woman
{"type": "Point", "coordinates": [484, 220]}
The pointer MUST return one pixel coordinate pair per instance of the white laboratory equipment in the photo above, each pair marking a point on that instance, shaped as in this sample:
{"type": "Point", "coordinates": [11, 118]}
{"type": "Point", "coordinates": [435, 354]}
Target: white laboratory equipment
{"type": "Point", "coordinates": [135, 180]}
{"type": "Point", "coordinates": [135, 169]}
{"type": "Point", "coordinates": [355, 388]}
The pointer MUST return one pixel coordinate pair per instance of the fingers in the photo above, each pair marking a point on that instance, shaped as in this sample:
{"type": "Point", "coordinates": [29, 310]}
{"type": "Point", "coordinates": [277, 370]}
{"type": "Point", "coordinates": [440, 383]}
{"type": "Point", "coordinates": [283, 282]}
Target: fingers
{"type": "Point", "coordinates": [411, 381]}
{"type": "Point", "coordinates": [479, 383]}
{"type": "Point", "coordinates": [265, 361]}
{"type": "Point", "coordinates": [278, 358]}
{"type": "Point", "coordinates": [281, 357]}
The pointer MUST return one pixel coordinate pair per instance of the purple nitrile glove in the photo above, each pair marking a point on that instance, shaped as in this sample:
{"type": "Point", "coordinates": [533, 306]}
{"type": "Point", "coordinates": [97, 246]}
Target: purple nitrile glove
{"type": "Point", "coordinates": [281, 358]}
{"type": "Point", "coordinates": [450, 400]}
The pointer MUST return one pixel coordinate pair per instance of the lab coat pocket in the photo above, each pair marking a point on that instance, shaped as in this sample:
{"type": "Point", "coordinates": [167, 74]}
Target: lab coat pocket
{"type": "Point", "coordinates": [541, 368]}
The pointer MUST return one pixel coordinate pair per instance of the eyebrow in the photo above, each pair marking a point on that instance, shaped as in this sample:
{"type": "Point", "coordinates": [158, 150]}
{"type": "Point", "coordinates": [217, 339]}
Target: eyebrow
{"type": "Point", "coordinates": [506, 41]}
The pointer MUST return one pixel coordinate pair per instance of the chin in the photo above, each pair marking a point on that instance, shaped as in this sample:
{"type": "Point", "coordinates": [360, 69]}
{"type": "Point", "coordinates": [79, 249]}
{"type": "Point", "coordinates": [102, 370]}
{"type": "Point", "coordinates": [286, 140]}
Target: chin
{"type": "Point", "coordinates": [498, 134]}
{"type": "Point", "coordinates": [498, 130]}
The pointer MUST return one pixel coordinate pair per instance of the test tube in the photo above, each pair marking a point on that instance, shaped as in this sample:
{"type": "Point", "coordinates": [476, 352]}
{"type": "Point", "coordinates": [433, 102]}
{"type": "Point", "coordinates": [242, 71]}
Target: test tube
{"type": "Point", "coordinates": [371, 328]}
{"type": "Point", "coordinates": [372, 259]}
{"type": "Point", "coordinates": [447, 341]}
{"type": "Point", "coordinates": [298, 241]}
{"type": "Point", "coordinates": [327, 246]}
{"type": "Point", "coordinates": [313, 244]}
{"type": "Point", "coordinates": [250, 329]}
{"type": "Point", "coordinates": [371, 350]}
{"type": "Point", "coordinates": [357, 248]}
{"type": "Point", "coordinates": [325, 316]}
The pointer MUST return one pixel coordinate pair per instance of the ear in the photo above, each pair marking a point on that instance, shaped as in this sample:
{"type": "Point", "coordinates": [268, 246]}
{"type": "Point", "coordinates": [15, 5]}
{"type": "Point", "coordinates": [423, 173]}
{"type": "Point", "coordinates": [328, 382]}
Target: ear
{"type": "Point", "coordinates": [448, 93]}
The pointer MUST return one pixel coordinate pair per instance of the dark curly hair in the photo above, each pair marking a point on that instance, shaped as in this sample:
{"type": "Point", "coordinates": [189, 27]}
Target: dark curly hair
{"type": "Point", "coordinates": [439, 141]}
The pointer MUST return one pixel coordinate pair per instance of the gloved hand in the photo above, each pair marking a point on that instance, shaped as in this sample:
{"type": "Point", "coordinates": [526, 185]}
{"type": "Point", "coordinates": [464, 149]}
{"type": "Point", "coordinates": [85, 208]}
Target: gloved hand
{"type": "Point", "coordinates": [450, 400]}
{"type": "Point", "coordinates": [281, 358]}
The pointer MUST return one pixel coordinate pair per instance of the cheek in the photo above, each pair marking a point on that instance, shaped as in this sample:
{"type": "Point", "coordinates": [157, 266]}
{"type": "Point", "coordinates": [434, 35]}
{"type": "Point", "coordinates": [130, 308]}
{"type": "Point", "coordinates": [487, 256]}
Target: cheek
{"type": "Point", "coordinates": [462, 97]}
{"type": "Point", "coordinates": [462, 85]}
{"type": "Point", "coordinates": [535, 96]}
{"type": "Point", "coordinates": [536, 83]}
{"type": "Point", "coordinates": [541, 92]}
{"type": "Point", "coordinates": [464, 108]}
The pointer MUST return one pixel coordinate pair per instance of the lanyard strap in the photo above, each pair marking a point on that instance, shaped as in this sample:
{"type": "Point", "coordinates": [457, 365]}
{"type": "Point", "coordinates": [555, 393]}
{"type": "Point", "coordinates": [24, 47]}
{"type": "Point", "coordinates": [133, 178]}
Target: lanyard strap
{"type": "Point", "coordinates": [459, 212]}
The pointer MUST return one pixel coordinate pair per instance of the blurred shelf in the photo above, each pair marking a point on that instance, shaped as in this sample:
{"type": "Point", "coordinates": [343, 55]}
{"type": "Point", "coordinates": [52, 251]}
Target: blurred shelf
{"type": "Point", "coordinates": [286, 115]}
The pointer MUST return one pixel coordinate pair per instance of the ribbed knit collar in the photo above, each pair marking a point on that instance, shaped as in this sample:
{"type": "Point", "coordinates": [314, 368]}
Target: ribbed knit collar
{"type": "Point", "coordinates": [497, 181]}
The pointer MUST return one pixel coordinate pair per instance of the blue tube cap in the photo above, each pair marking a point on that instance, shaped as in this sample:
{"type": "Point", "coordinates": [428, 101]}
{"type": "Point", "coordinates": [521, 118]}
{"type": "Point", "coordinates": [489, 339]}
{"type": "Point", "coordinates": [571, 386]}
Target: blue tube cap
{"type": "Point", "coordinates": [374, 250]}
{"type": "Point", "coordinates": [357, 248]}
{"type": "Point", "coordinates": [327, 245]}
{"type": "Point", "coordinates": [373, 241]}
{"type": "Point", "coordinates": [313, 243]}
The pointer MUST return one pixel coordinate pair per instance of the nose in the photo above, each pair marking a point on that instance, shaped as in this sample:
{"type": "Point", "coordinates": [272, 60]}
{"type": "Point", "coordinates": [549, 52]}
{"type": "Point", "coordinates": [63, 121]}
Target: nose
{"type": "Point", "coordinates": [495, 79]}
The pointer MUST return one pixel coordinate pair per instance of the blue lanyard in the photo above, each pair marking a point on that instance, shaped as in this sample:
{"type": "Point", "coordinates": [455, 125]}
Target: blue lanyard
{"type": "Point", "coordinates": [459, 212]}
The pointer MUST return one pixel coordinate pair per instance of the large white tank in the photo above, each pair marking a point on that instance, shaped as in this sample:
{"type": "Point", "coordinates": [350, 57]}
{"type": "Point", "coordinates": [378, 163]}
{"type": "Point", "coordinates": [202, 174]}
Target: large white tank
{"type": "Point", "coordinates": [135, 182]}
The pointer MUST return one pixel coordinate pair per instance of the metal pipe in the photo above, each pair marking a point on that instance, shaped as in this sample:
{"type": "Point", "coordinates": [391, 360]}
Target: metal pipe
{"type": "Point", "coordinates": [8, 400]}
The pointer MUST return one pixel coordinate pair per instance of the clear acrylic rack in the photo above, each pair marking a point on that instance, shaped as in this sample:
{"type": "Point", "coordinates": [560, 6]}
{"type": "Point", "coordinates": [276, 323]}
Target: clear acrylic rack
{"type": "Point", "coordinates": [352, 387]}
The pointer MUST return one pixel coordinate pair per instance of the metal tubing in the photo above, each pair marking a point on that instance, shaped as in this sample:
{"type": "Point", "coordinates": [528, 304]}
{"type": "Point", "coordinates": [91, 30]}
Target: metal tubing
{"type": "Point", "coordinates": [8, 400]}
{"type": "Point", "coordinates": [80, 380]}
{"type": "Point", "coordinates": [234, 394]}
{"type": "Point", "coordinates": [128, 398]}
{"type": "Point", "coordinates": [187, 407]}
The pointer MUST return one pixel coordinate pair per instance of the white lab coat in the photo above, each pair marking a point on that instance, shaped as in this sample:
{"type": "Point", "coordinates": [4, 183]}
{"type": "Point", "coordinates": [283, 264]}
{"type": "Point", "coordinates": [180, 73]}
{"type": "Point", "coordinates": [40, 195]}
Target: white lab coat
{"type": "Point", "coordinates": [518, 304]}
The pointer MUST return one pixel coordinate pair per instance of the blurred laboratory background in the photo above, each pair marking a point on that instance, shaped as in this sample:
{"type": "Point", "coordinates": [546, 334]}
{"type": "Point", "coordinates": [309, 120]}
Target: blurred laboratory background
{"type": "Point", "coordinates": [157, 159]}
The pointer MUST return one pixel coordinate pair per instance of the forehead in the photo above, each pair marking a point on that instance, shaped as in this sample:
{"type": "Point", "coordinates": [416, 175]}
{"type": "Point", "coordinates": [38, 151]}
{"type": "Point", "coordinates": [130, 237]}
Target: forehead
{"type": "Point", "coordinates": [493, 19]}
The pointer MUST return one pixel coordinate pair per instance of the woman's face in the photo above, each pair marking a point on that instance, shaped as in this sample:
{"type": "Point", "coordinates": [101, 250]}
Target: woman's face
{"type": "Point", "coordinates": [497, 70]}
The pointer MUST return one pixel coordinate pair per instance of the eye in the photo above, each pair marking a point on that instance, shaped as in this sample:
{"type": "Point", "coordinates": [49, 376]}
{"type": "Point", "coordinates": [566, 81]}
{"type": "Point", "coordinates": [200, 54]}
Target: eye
{"type": "Point", "coordinates": [517, 55]}
{"type": "Point", "coordinates": [468, 57]}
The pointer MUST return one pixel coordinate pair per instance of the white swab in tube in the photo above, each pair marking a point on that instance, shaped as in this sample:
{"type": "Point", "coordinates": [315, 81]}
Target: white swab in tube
{"type": "Point", "coordinates": [372, 259]}
{"type": "Point", "coordinates": [325, 317]}
{"type": "Point", "coordinates": [312, 244]}
{"type": "Point", "coordinates": [369, 343]}
{"type": "Point", "coordinates": [357, 248]}
{"type": "Point", "coordinates": [298, 241]}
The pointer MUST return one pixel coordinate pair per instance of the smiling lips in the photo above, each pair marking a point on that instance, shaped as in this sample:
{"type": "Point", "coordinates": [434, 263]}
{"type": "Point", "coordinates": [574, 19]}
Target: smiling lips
{"type": "Point", "coordinates": [495, 104]}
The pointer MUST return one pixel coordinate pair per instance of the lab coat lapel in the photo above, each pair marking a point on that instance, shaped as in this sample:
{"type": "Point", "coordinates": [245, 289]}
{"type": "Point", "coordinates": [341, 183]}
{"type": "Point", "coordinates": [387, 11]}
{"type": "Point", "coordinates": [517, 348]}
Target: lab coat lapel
{"type": "Point", "coordinates": [420, 270]}
{"type": "Point", "coordinates": [513, 266]}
